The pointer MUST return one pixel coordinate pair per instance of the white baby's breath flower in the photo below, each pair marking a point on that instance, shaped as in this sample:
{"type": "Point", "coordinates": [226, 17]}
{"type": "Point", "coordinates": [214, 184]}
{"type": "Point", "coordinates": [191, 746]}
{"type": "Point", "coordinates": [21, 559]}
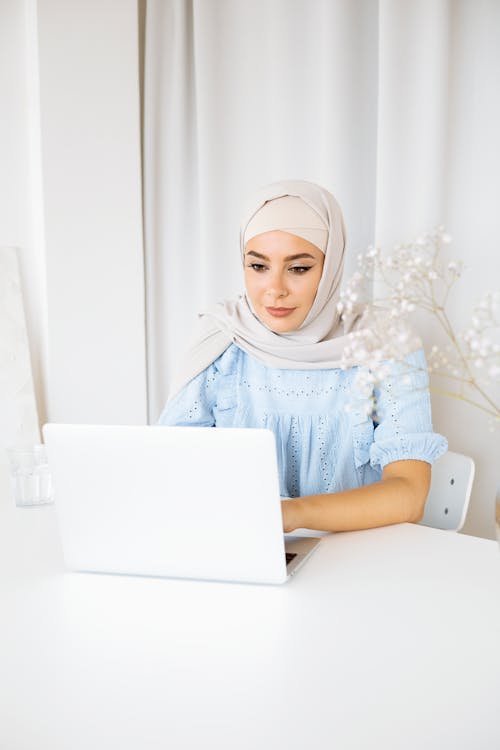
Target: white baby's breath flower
{"type": "Point", "coordinates": [383, 337]}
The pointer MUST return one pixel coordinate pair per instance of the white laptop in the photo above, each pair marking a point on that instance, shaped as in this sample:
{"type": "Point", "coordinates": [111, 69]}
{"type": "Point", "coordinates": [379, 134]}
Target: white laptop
{"type": "Point", "coordinates": [188, 502]}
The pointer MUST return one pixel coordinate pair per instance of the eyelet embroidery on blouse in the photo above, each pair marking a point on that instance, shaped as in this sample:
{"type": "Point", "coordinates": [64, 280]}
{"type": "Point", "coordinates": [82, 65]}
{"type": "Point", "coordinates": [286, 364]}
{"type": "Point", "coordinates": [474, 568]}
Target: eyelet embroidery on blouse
{"type": "Point", "coordinates": [193, 411]}
{"type": "Point", "coordinates": [391, 407]}
{"type": "Point", "coordinates": [324, 464]}
{"type": "Point", "coordinates": [294, 467]}
{"type": "Point", "coordinates": [291, 392]}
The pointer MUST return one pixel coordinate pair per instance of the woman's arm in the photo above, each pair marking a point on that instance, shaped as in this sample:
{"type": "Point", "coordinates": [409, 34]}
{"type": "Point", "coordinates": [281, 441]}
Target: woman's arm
{"type": "Point", "coordinates": [399, 497]}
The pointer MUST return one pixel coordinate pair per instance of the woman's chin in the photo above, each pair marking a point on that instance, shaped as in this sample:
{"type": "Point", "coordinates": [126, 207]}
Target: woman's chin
{"type": "Point", "coordinates": [280, 323]}
{"type": "Point", "coordinates": [280, 326]}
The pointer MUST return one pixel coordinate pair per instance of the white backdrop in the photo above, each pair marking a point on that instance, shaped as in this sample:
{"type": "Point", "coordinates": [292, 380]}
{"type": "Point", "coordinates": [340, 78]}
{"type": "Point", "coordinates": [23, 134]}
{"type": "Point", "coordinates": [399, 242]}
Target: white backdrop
{"type": "Point", "coordinates": [71, 202]}
{"type": "Point", "coordinates": [392, 106]}
{"type": "Point", "coordinates": [238, 94]}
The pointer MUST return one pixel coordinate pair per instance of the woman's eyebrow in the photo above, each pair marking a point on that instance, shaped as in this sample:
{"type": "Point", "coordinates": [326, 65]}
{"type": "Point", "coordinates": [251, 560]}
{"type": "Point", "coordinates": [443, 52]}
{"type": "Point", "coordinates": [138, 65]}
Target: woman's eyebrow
{"type": "Point", "coordinates": [288, 257]}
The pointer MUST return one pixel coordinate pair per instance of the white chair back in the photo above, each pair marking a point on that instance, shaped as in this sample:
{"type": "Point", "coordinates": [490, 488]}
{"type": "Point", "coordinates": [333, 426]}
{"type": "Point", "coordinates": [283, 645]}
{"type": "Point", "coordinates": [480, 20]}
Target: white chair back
{"type": "Point", "coordinates": [449, 495]}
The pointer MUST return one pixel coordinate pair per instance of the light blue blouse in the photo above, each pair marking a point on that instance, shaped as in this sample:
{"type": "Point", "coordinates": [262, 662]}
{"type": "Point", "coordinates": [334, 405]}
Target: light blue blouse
{"type": "Point", "coordinates": [325, 441]}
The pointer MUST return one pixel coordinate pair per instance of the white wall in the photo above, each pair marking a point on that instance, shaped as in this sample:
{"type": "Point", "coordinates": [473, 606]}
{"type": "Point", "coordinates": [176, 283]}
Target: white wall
{"type": "Point", "coordinates": [90, 132]}
{"type": "Point", "coordinates": [70, 200]}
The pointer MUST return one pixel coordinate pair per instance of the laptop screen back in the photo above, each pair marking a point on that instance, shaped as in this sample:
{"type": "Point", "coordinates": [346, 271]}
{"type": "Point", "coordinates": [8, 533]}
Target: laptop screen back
{"type": "Point", "coordinates": [168, 501]}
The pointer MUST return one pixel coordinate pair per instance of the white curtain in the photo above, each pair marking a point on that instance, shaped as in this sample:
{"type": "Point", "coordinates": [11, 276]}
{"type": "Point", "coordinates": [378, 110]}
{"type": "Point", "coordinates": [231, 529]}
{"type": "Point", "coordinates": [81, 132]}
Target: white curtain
{"type": "Point", "coordinates": [391, 105]}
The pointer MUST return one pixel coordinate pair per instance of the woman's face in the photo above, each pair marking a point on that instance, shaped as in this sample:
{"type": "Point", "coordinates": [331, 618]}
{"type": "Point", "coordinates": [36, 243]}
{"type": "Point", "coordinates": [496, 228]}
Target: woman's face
{"type": "Point", "coordinates": [282, 274]}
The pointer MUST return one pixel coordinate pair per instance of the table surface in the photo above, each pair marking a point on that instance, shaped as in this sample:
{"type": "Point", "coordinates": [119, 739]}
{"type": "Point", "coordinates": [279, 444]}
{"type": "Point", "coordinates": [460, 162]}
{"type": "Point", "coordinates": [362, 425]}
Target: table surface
{"type": "Point", "coordinates": [387, 638]}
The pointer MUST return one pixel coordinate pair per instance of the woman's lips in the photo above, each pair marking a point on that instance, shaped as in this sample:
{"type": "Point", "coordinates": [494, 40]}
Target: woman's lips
{"type": "Point", "coordinates": [280, 312]}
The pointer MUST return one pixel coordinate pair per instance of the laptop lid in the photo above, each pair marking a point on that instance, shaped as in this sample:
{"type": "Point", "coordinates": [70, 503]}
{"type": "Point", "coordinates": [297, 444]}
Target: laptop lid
{"type": "Point", "coordinates": [187, 502]}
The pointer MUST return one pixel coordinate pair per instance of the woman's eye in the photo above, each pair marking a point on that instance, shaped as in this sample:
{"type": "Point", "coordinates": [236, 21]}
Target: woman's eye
{"type": "Point", "coordinates": [257, 266]}
{"type": "Point", "coordinates": [299, 269]}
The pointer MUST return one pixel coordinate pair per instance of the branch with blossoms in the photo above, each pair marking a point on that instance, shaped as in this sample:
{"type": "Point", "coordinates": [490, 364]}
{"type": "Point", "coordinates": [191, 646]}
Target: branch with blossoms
{"type": "Point", "coordinates": [416, 277]}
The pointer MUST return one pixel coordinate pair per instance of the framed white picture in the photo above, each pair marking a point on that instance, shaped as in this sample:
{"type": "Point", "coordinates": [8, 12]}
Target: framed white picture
{"type": "Point", "coordinates": [18, 409]}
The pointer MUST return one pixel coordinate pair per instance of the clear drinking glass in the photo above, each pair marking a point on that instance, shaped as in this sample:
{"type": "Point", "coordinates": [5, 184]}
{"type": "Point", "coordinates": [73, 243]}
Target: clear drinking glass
{"type": "Point", "coordinates": [30, 476]}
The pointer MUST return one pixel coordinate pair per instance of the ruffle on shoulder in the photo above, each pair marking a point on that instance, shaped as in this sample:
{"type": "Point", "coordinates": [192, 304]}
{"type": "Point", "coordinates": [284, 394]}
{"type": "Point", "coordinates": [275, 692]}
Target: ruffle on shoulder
{"type": "Point", "coordinates": [227, 363]}
{"type": "Point", "coordinates": [226, 372]}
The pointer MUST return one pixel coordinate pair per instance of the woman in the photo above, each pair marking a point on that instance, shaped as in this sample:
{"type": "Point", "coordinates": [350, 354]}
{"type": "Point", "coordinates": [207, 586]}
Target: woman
{"type": "Point", "coordinates": [271, 358]}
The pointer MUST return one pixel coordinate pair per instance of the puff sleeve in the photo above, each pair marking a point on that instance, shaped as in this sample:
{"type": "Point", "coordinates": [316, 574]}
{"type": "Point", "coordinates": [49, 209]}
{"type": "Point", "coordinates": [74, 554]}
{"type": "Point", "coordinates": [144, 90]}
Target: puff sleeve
{"type": "Point", "coordinates": [404, 430]}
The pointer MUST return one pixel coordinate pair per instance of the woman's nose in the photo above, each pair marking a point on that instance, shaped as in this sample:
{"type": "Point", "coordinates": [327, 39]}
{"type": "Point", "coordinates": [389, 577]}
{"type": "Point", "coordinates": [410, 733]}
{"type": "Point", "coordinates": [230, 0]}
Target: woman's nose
{"type": "Point", "coordinates": [277, 287]}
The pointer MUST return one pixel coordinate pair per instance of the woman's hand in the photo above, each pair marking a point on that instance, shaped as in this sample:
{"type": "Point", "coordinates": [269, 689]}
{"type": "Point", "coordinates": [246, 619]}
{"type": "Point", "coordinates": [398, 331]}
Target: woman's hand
{"type": "Point", "coordinates": [290, 512]}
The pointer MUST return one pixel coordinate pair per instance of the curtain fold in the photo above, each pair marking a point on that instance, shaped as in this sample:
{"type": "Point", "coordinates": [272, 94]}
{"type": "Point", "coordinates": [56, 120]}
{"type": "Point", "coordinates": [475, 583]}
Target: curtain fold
{"type": "Point", "coordinates": [392, 106]}
{"type": "Point", "coordinates": [238, 94]}
{"type": "Point", "coordinates": [413, 116]}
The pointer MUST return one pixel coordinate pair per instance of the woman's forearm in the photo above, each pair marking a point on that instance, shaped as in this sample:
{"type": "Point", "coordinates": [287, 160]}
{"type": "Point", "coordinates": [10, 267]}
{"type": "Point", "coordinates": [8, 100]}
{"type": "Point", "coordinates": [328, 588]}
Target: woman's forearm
{"type": "Point", "coordinates": [395, 499]}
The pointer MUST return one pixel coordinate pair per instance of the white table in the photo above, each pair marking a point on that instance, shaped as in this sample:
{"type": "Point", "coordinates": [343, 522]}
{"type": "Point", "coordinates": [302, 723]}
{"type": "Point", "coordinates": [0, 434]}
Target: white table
{"type": "Point", "coordinates": [388, 638]}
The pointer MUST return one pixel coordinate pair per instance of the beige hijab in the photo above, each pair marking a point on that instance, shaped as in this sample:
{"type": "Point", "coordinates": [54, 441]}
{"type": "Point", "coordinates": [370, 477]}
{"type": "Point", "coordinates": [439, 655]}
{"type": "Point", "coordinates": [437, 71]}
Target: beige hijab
{"type": "Point", "coordinates": [320, 340]}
